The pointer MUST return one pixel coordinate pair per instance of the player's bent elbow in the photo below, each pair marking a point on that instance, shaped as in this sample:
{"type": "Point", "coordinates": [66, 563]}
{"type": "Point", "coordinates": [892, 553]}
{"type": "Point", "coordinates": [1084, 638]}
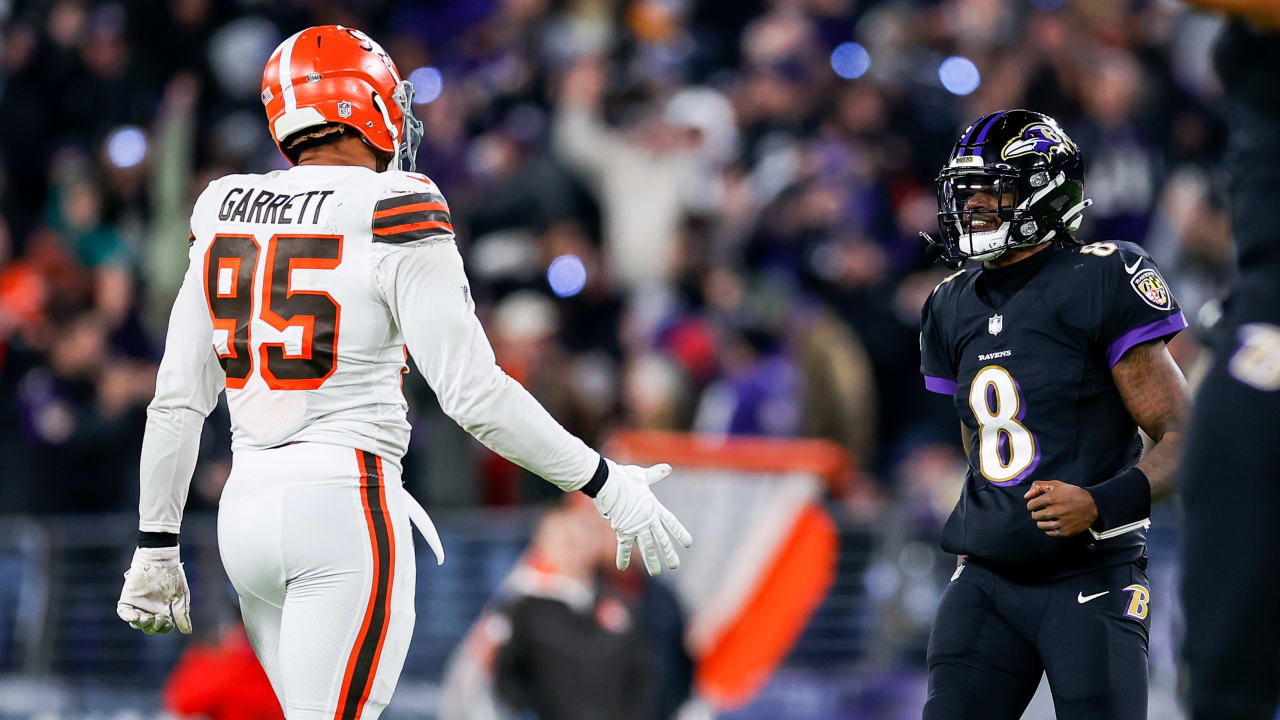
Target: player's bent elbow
{"type": "Point", "coordinates": [173, 414]}
{"type": "Point", "coordinates": [480, 404]}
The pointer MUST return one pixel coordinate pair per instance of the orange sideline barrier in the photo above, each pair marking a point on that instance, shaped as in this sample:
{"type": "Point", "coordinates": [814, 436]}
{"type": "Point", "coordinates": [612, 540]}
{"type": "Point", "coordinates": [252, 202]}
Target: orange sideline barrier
{"type": "Point", "coordinates": [823, 458]}
{"type": "Point", "coordinates": [740, 663]}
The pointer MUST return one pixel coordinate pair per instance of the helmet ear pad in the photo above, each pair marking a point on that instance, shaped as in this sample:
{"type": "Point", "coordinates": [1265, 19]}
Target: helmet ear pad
{"type": "Point", "coordinates": [1048, 210]}
{"type": "Point", "coordinates": [1057, 207]}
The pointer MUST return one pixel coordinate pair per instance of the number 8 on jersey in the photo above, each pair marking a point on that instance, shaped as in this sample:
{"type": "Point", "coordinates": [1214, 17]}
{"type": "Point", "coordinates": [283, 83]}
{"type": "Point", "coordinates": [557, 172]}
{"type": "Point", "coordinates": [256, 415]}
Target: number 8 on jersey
{"type": "Point", "coordinates": [1006, 449]}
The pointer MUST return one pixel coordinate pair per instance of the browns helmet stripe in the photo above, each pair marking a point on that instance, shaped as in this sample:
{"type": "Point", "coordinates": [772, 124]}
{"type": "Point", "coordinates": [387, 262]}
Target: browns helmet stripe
{"type": "Point", "coordinates": [287, 92]}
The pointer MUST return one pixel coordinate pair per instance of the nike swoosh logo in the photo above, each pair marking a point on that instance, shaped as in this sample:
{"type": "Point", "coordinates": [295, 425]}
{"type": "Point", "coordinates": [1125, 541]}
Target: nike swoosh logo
{"type": "Point", "coordinates": [1131, 269]}
{"type": "Point", "coordinates": [1082, 598]}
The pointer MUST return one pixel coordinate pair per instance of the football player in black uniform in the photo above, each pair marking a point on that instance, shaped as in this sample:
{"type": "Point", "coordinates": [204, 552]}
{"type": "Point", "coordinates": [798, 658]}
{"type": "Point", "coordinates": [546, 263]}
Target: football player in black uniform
{"type": "Point", "coordinates": [1054, 354]}
{"type": "Point", "coordinates": [1231, 475]}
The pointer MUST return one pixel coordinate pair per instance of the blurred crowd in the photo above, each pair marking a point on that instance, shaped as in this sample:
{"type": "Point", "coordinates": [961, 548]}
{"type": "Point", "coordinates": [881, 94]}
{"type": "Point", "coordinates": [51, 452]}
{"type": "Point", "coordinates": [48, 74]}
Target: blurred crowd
{"type": "Point", "coordinates": [676, 215]}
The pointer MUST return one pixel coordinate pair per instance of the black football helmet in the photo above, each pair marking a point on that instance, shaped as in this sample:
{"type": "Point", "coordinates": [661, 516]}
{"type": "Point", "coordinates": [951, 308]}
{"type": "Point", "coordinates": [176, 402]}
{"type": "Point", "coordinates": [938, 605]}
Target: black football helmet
{"type": "Point", "coordinates": [1032, 175]}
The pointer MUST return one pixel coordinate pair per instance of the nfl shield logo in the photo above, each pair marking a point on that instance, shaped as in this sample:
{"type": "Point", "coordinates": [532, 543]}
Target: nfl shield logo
{"type": "Point", "coordinates": [995, 324]}
{"type": "Point", "coordinates": [344, 109]}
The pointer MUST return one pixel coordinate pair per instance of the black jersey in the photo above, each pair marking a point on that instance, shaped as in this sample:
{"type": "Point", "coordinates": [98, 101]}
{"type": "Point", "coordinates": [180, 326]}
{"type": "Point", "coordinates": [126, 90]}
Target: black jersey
{"type": "Point", "coordinates": [1026, 350]}
{"type": "Point", "coordinates": [1247, 59]}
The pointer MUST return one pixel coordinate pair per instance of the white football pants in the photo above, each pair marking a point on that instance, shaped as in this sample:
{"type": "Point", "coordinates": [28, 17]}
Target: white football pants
{"type": "Point", "coordinates": [316, 541]}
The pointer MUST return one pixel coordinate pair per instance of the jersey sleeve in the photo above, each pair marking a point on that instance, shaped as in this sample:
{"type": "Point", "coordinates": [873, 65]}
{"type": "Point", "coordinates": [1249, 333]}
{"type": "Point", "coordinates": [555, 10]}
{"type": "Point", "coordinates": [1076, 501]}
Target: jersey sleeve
{"type": "Point", "coordinates": [936, 359]}
{"type": "Point", "coordinates": [187, 388]}
{"type": "Point", "coordinates": [1137, 304]}
{"type": "Point", "coordinates": [426, 290]}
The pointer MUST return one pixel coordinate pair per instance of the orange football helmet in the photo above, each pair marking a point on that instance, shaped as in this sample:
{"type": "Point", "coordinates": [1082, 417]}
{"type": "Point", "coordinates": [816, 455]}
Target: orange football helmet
{"type": "Point", "coordinates": [335, 74]}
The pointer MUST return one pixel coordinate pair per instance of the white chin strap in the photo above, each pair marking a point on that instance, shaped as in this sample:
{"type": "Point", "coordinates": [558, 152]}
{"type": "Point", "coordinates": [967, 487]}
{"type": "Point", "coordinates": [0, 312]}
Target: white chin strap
{"type": "Point", "coordinates": [391, 128]}
{"type": "Point", "coordinates": [990, 244]}
{"type": "Point", "coordinates": [986, 245]}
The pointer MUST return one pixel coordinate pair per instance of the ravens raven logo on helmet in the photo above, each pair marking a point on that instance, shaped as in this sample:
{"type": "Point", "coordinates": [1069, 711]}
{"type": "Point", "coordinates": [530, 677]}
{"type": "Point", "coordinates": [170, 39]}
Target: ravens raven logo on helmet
{"type": "Point", "coordinates": [1038, 138]}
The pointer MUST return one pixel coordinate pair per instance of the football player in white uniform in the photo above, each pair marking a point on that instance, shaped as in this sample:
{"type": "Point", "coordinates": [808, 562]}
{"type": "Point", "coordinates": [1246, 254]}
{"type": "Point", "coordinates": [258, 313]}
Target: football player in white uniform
{"type": "Point", "coordinates": [304, 288]}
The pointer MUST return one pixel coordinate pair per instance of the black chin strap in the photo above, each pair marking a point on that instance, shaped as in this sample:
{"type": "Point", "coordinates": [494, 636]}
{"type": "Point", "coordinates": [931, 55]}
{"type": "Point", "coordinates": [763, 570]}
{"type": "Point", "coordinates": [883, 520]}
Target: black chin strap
{"type": "Point", "coordinates": [939, 252]}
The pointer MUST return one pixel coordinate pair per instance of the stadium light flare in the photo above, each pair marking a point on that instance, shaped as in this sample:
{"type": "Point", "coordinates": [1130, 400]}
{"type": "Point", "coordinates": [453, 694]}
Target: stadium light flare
{"type": "Point", "coordinates": [850, 60]}
{"type": "Point", "coordinates": [427, 84]}
{"type": "Point", "coordinates": [126, 146]}
{"type": "Point", "coordinates": [959, 75]}
{"type": "Point", "coordinates": [567, 275]}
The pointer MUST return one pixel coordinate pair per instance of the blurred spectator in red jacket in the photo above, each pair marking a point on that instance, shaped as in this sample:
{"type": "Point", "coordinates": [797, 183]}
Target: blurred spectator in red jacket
{"type": "Point", "coordinates": [221, 680]}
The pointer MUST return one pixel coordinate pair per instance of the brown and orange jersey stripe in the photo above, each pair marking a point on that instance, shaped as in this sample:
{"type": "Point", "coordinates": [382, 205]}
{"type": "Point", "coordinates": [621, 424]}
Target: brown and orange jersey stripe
{"type": "Point", "coordinates": [406, 218]}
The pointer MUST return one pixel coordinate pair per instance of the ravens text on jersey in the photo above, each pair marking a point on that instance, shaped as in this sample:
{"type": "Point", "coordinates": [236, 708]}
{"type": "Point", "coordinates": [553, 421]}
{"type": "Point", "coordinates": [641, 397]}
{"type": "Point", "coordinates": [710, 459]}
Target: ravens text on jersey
{"type": "Point", "coordinates": [1026, 351]}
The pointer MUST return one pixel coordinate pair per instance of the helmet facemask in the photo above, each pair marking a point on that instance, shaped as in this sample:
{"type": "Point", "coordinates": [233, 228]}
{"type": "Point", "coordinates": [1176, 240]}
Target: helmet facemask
{"type": "Point", "coordinates": [406, 137]}
{"type": "Point", "coordinates": [977, 210]}
{"type": "Point", "coordinates": [984, 212]}
{"type": "Point", "coordinates": [410, 135]}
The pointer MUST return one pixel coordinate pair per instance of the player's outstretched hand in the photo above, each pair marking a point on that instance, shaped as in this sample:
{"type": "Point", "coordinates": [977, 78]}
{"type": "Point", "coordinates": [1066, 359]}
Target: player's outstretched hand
{"type": "Point", "coordinates": [1061, 509]}
{"type": "Point", "coordinates": [638, 518]}
{"type": "Point", "coordinates": [155, 597]}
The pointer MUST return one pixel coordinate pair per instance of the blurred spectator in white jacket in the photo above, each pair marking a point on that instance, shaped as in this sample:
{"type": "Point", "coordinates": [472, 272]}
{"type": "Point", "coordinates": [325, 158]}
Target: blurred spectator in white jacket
{"type": "Point", "coordinates": [647, 175]}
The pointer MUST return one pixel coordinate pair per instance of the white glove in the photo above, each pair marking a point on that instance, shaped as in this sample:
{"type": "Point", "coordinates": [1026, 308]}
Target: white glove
{"type": "Point", "coordinates": [155, 595]}
{"type": "Point", "coordinates": [638, 517]}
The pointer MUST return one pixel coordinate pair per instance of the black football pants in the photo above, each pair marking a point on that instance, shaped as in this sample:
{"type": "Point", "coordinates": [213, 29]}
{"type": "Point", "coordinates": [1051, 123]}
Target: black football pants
{"type": "Point", "coordinates": [1230, 487]}
{"type": "Point", "coordinates": [993, 638]}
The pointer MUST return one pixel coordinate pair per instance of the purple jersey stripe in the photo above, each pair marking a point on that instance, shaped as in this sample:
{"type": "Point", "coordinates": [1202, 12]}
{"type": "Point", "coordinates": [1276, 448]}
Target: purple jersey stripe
{"type": "Point", "coordinates": [942, 386]}
{"type": "Point", "coordinates": [1160, 328]}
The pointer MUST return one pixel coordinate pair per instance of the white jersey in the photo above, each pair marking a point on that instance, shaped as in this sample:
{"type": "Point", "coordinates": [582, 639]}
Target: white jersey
{"type": "Point", "coordinates": [306, 292]}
